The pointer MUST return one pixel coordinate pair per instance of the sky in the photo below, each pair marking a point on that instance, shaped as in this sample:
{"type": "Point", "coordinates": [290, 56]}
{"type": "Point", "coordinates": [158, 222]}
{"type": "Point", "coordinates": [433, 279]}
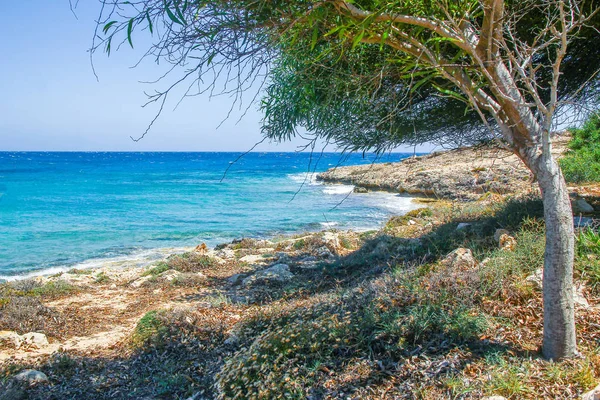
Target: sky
{"type": "Point", "coordinates": [51, 100]}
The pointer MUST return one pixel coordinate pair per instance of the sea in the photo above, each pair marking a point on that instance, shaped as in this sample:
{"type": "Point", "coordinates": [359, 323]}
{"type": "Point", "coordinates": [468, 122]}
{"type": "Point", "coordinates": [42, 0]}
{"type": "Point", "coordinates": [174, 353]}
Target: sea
{"type": "Point", "coordinates": [61, 210]}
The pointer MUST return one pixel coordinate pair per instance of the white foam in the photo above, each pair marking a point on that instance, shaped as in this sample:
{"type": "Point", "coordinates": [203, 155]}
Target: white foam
{"type": "Point", "coordinates": [139, 259]}
{"type": "Point", "coordinates": [308, 178]}
{"type": "Point", "coordinates": [338, 189]}
{"type": "Point", "coordinates": [329, 224]}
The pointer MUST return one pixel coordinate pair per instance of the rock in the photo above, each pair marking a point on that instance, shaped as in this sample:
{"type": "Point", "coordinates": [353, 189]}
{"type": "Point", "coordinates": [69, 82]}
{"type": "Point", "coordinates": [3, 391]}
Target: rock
{"type": "Point", "coordinates": [10, 339]}
{"type": "Point", "coordinates": [537, 279]}
{"type": "Point", "coordinates": [411, 222]}
{"type": "Point", "coordinates": [593, 394]}
{"type": "Point", "coordinates": [170, 275]}
{"type": "Point", "coordinates": [461, 259]}
{"type": "Point", "coordinates": [499, 233]}
{"type": "Point", "coordinates": [324, 252]}
{"type": "Point", "coordinates": [34, 339]}
{"type": "Point", "coordinates": [507, 242]}
{"type": "Point", "coordinates": [278, 272]}
{"type": "Point", "coordinates": [232, 340]}
{"type": "Point", "coordinates": [582, 222]}
{"type": "Point", "coordinates": [226, 253]}
{"type": "Point", "coordinates": [582, 206]}
{"type": "Point", "coordinates": [331, 240]}
{"type": "Point", "coordinates": [282, 257]}
{"type": "Point", "coordinates": [140, 281]}
{"type": "Point", "coordinates": [30, 377]}
{"type": "Point", "coordinates": [236, 279]}
{"type": "Point", "coordinates": [253, 259]}
{"type": "Point", "coordinates": [201, 248]}
{"type": "Point", "coordinates": [360, 189]}
{"type": "Point", "coordinates": [463, 226]}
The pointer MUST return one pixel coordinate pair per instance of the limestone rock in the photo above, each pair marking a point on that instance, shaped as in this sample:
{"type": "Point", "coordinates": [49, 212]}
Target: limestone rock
{"type": "Point", "coordinates": [461, 259]}
{"type": "Point", "coordinates": [226, 253]}
{"type": "Point", "coordinates": [331, 240]}
{"type": "Point", "coordinates": [359, 189]}
{"type": "Point", "coordinates": [31, 377]}
{"type": "Point", "coordinates": [35, 339]}
{"type": "Point", "coordinates": [463, 226]}
{"type": "Point", "coordinates": [579, 299]}
{"type": "Point", "coordinates": [278, 272]}
{"type": "Point", "coordinates": [252, 258]}
{"type": "Point", "coordinates": [507, 242]}
{"type": "Point", "coordinates": [236, 279]}
{"type": "Point", "coordinates": [324, 252]}
{"type": "Point", "coordinates": [10, 339]}
{"type": "Point", "coordinates": [170, 275]}
{"type": "Point", "coordinates": [593, 394]}
{"type": "Point", "coordinates": [498, 234]}
{"type": "Point", "coordinates": [582, 206]}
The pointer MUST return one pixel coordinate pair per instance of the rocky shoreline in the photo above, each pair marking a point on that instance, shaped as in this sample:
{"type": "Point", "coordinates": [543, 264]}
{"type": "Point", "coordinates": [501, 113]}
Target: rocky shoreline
{"type": "Point", "coordinates": [462, 174]}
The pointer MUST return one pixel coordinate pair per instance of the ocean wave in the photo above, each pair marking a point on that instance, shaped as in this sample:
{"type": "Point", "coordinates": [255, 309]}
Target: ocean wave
{"type": "Point", "coordinates": [308, 178]}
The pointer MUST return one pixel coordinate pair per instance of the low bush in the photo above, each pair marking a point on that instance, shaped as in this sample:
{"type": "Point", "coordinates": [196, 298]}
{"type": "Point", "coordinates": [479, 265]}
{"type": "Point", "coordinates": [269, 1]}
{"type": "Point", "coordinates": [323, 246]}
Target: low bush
{"type": "Point", "coordinates": [581, 163]}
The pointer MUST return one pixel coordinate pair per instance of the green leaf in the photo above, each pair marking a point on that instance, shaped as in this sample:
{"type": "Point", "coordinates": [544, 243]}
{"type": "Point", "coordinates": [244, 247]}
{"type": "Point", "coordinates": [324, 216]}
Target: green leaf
{"type": "Point", "coordinates": [129, 31]}
{"type": "Point", "coordinates": [172, 16]}
{"type": "Point", "coordinates": [357, 39]}
{"type": "Point", "coordinates": [315, 37]}
{"type": "Point", "coordinates": [149, 23]}
{"type": "Point", "coordinates": [107, 26]}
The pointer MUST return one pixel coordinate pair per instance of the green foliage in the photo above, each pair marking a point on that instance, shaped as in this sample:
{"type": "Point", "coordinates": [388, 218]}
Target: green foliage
{"type": "Point", "coordinates": [157, 269]}
{"type": "Point", "coordinates": [149, 329]}
{"type": "Point", "coordinates": [582, 162]}
{"type": "Point", "coordinates": [587, 259]}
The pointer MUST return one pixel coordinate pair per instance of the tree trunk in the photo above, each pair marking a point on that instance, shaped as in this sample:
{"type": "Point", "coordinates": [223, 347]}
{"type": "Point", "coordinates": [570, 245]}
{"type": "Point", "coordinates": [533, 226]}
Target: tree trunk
{"type": "Point", "coordinates": [559, 316]}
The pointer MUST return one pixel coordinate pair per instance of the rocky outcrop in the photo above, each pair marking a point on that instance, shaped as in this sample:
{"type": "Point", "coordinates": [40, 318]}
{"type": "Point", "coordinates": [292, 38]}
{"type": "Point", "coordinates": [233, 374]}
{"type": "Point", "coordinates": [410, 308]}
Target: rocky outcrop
{"type": "Point", "coordinates": [278, 272]}
{"type": "Point", "coordinates": [461, 174]}
{"type": "Point", "coordinates": [29, 340]}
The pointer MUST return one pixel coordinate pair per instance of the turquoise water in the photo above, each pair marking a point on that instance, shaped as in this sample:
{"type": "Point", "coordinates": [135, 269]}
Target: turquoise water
{"type": "Point", "coordinates": [61, 209]}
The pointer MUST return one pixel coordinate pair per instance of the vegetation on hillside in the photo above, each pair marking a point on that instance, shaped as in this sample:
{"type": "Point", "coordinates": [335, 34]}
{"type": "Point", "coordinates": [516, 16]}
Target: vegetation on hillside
{"type": "Point", "coordinates": [391, 319]}
{"type": "Point", "coordinates": [582, 162]}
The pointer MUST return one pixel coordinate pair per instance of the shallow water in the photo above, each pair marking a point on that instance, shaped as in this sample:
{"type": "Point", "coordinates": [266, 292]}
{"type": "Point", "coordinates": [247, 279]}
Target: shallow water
{"type": "Point", "coordinates": [63, 209]}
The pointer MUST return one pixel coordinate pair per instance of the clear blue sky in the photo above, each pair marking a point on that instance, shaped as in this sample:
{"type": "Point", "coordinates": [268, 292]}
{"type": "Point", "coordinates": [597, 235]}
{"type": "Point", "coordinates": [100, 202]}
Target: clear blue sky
{"type": "Point", "coordinates": [52, 101]}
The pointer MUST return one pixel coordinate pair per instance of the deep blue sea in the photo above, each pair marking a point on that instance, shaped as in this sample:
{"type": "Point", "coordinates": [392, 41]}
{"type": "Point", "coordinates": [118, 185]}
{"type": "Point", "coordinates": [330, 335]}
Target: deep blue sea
{"type": "Point", "coordinates": [59, 210]}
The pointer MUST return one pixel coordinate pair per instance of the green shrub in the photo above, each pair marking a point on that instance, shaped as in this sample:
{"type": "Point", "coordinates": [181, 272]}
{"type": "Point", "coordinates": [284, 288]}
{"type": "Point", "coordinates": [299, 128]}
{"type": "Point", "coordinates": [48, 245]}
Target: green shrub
{"type": "Point", "coordinates": [149, 329]}
{"type": "Point", "coordinates": [581, 163]}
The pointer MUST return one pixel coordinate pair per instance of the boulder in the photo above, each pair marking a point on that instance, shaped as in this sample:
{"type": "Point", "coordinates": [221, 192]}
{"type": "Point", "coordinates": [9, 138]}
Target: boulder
{"type": "Point", "coordinates": [593, 394]}
{"type": "Point", "coordinates": [201, 248]}
{"type": "Point", "coordinates": [463, 226]}
{"type": "Point", "coordinates": [10, 339]}
{"type": "Point", "coordinates": [236, 279]}
{"type": "Point", "coordinates": [324, 252]}
{"type": "Point", "coordinates": [360, 189]}
{"type": "Point", "coordinates": [460, 259]}
{"type": "Point", "coordinates": [252, 258]}
{"type": "Point", "coordinates": [582, 206]}
{"type": "Point", "coordinates": [277, 272]}
{"type": "Point", "coordinates": [35, 339]}
{"type": "Point", "coordinates": [226, 253]}
{"type": "Point", "coordinates": [498, 234]}
{"type": "Point", "coordinates": [331, 240]}
{"type": "Point", "coordinates": [30, 377]}
{"type": "Point", "coordinates": [537, 278]}
{"type": "Point", "coordinates": [582, 222]}
{"type": "Point", "coordinates": [507, 242]}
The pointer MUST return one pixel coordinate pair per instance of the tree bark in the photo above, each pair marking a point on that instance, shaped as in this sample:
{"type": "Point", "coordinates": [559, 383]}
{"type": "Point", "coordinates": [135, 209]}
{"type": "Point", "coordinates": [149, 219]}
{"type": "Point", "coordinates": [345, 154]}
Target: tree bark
{"type": "Point", "coordinates": [559, 315]}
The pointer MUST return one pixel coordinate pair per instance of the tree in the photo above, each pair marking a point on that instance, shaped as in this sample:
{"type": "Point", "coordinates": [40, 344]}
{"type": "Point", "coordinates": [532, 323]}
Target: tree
{"type": "Point", "coordinates": [381, 67]}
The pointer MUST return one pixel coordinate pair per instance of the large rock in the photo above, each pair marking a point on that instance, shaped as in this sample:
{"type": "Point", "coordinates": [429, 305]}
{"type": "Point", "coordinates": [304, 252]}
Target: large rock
{"type": "Point", "coordinates": [581, 206]}
{"type": "Point", "coordinates": [278, 272]}
{"type": "Point", "coordinates": [593, 394]}
{"type": "Point", "coordinates": [10, 339]}
{"type": "Point", "coordinates": [537, 279]}
{"type": "Point", "coordinates": [31, 377]}
{"type": "Point", "coordinates": [460, 259]}
{"type": "Point", "coordinates": [35, 339]}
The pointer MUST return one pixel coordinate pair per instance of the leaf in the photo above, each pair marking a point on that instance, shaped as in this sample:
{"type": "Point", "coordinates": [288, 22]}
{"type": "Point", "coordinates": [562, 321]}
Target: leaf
{"type": "Point", "coordinates": [129, 31]}
{"type": "Point", "coordinates": [357, 39]}
{"type": "Point", "coordinates": [107, 26]}
{"type": "Point", "coordinates": [315, 37]}
{"type": "Point", "coordinates": [172, 16]}
{"type": "Point", "coordinates": [149, 23]}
